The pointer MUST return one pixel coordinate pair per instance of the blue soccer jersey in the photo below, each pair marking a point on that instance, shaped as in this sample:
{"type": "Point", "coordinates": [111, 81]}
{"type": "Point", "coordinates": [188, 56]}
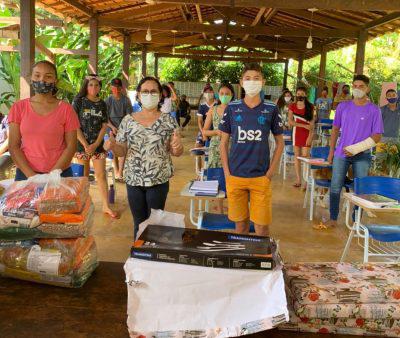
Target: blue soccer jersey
{"type": "Point", "coordinates": [249, 129]}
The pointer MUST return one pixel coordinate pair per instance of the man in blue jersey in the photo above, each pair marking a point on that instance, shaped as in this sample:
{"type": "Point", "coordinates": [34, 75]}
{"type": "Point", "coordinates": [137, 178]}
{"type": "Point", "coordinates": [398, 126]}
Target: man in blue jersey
{"type": "Point", "coordinates": [248, 169]}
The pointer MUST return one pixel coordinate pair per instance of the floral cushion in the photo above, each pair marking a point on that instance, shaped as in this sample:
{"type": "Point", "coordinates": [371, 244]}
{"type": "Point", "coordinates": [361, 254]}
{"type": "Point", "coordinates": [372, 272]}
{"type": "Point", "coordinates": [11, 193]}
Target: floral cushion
{"type": "Point", "coordinates": [348, 284]}
{"type": "Point", "coordinates": [345, 326]}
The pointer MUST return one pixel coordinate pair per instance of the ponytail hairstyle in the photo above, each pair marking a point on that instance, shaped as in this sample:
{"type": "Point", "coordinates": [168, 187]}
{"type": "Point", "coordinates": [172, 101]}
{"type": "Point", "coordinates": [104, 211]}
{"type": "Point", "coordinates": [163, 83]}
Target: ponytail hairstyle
{"type": "Point", "coordinates": [309, 114]}
{"type": "Point", "coordinates": [83, 91]}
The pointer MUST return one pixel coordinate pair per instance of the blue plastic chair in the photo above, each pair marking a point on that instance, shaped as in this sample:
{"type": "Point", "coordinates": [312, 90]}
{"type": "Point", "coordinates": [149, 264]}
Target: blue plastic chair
{"type": "Point", "coordinates": [288, 154]}
{"type": "Point", "coordinates": [379, 240]}
{"type": "Point", "coordinates": [211, 221]}
{"type": "Point", "coordinates": [77, 169]}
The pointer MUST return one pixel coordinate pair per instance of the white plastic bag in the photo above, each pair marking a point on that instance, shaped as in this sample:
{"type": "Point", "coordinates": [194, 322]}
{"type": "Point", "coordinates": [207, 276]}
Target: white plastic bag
{"type": "Point", "coordinates": [162, 217]}
{"type": "Point", "coordinates": [173, 297]}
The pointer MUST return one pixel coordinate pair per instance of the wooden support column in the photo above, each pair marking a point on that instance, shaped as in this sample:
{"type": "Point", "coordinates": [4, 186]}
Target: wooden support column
{"type": "Point", "coordinates": [300, 69]}
{"type": "Point", "coordinates": [144, 61]}
{"type": "Point", "coordinates": [360, 54]}
{"type": "Point", "coordinates": [156, 65]}
{"type": "Point", "coordinates": [126, 60]}
{"type": "Point", "coordinates": [285, 74]}
{"type": "Point", "coordinates": [322, 70]}
{"type": "Point", "coordinates": [27, 46]}
{"type": "Point", "coordinates": [94, 44]}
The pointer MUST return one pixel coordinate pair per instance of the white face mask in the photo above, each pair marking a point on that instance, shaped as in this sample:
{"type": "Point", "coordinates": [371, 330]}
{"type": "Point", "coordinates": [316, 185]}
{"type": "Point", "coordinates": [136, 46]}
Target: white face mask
{"type": "Point", "coordinates": [149, 101]}
{"type": "Point", "coordinates": [288, 99]}
{"type": "Point", "coordinates": [209, 96]}
{"type": "Point", "coordinates": [358, 93]}
{"type": "Point", "coordinates": [252, 88]}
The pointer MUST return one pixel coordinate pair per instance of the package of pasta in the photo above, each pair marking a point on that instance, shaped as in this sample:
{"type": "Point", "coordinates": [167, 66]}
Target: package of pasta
{"type": "Point", "coordinates": [62, 195]}
{"type": "Point", "coordinates": [67, 225]}
{"type": "Point", "coordinates": [59, 262]}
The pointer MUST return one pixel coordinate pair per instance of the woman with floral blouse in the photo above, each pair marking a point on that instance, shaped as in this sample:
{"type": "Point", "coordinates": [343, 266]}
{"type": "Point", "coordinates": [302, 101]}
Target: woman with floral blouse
{"type": "Point", "coordinates": [147, 139]}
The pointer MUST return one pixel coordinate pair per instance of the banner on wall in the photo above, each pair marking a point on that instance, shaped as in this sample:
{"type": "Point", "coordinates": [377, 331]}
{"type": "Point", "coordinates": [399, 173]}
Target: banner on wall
{"type": "Point", "coordinates": [385, 87]}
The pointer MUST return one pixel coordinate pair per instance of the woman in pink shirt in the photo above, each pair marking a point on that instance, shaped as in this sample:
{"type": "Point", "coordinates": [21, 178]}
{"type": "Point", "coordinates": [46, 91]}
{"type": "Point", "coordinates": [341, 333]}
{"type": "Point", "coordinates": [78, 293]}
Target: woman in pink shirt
{"type": "Point", "coordinates": [43, 129]}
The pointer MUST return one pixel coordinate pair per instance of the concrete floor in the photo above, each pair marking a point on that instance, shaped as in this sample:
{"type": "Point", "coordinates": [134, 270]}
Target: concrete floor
{"type": "Point", "coordinates": [298, 240]}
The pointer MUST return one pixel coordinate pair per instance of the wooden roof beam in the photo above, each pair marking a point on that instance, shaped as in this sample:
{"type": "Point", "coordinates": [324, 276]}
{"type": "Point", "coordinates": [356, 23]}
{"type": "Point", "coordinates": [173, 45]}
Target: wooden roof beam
{"type": "Point", "coordinates": [207, 58]}
{"type": "Point", "coordinates": [79, 7]}
{"type": "Point", "coordinates": [40, 22]}
{"type": "Point", "coordinates": [200, 16]}
{"type": "Point", "coordinates": [382, 21]}
{"type": "Point", "coordinates": [233, 30]}
{"type": "Point", "coordinates": [256, 20]}
{"type": "Point", "coordinates": [367, 5]}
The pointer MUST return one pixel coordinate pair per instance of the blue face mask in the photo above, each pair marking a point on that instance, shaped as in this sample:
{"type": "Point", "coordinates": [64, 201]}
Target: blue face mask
{"type": "Point", "coordinates": [392, 100]}
{"type": "Point", "coordinates": [41, 87]}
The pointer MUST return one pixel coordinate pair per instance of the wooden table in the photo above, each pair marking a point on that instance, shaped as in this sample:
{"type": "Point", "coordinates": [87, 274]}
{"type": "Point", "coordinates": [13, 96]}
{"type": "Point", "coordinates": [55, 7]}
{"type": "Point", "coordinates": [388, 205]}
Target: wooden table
{"type": "Point", "coordinates": [97, 310]}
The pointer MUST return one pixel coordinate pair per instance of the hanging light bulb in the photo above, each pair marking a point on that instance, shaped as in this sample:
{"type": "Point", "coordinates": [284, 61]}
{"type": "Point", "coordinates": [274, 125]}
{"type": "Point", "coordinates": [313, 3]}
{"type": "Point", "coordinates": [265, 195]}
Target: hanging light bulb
{"type": "Point", "coordinates": [148, 34]}
{"type": "Point", "coordinates": [276, 56]}
{"type": "Point", "coordinates": [173, 50]}
{"type": "Point", "coordinates": [276, 47]}
{"type": "Point", "coordinates": [309, 42]}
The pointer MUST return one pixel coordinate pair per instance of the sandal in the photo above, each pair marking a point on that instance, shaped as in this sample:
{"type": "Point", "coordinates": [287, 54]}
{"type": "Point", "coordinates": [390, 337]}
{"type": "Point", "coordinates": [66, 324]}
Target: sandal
{"type": "Point", "coordinates": [320, 226]}
{"type": "Point", "coordinates": [297, 185]}
{"type": "Point", "coordinates": [113, 215]}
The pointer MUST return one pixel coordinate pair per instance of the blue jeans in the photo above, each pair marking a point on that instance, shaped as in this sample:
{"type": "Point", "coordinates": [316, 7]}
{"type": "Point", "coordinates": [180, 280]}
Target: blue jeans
{"type": "Point", "coordinates": [143, 199]}
{"type": "Point", "coordinates": [360, 164]}
{"type": "Point", "coordinates": [20, 176]}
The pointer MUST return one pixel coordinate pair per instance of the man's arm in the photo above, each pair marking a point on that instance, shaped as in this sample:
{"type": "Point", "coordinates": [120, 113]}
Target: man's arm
{"type": "Point", "coordinates": [332, 145]}
{"type": "Point", "coordinates": [223, 148]}
{"type": "Point", "coordinates": [276, 158]}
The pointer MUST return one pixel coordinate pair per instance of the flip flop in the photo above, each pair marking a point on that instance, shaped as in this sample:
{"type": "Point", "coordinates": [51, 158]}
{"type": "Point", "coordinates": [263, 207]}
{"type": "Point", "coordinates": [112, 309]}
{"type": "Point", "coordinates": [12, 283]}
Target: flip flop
{"type": "Point", "coordinates": [320, 226]}
{"type": "Point", "coordinates": [114, 215]}
{"type": "Point", "coordinates": [297, 185]}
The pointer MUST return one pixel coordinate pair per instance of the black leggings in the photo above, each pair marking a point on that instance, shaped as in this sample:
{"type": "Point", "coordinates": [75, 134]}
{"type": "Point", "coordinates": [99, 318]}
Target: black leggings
{"type": "Point", "coordinates": [186, 116]}
{"type": "Point", "coordinates": [143, 199]}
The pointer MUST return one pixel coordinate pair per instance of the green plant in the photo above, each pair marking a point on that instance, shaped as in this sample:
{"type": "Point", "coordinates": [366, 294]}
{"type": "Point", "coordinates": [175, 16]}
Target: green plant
{"type": "Point", "coordinates": [9, 72]}
{"type": "Point", "coordinates": [388, 158]}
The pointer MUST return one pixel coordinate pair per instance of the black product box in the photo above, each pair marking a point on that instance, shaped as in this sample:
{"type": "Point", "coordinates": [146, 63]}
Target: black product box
{"type": "Point", "coordinates": [205, 248]}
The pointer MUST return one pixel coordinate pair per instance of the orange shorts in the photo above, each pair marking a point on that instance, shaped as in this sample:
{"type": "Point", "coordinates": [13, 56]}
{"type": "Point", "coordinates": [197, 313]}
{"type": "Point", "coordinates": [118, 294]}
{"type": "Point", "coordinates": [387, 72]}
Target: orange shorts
{"type": "Point", "coordinates": [257, 191]}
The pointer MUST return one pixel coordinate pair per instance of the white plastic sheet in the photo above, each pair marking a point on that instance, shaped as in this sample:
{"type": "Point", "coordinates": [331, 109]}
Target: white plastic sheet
{"type": "Point", "coordinates": [161, 217]}
{"type": "Point", "coordinates": [174, 297]}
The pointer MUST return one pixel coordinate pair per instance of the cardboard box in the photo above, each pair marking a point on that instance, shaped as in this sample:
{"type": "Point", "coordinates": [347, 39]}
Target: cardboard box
{"type": "Point", "coordinates": [205, 248]}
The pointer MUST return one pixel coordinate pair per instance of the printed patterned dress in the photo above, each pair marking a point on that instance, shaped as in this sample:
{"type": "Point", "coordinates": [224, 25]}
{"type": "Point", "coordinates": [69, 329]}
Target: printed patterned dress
{"type": "Point", "coordinates": [148, 161]}
{"type": "Point", "coordinates": [214, 156]}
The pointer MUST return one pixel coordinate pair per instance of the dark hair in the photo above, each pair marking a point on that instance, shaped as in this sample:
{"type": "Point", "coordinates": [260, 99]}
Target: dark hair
{"type": "Point", "coordinates": [360, 77]}
{"type": "Point", "coordinates": [83, 91]}
{"type": "Point", "coordinates": [281, 101]}
{"type": "Point", "coordinates": [325, 88]}
{"type": "Point", "coordinates": [171, 83]}
{"type": "Point", "coordinates": [391, 91]}
{"type": "Point", "coordinates": [252, 66]}
{"type": "Point", "coordinates": [51, 65]}
{"type": "Point", "coordinates": [229, 86]}
{"type": "Point", "coordinates": [48, 63]}
{"type": "Point", "coordinates": [167, 89]}
{"type": "Point", "coordinates": [309, 107]}
{"type": "Point", "coordinates": [150, 78]}
{"type": "Point", "coordinates": [346, 85]}
{"type": "Point", "coordinates": [208, 87]}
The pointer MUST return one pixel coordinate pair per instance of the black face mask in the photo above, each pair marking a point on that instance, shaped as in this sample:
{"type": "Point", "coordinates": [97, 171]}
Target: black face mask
{"type": "Point", "coordinates": [41, 87]}
{"type": "Point", "coordinates": [300, 98]}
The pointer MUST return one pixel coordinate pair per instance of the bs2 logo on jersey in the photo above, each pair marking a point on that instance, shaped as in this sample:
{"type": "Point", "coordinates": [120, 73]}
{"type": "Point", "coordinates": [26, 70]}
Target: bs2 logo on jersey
{"type": "Point", "coordinates": [248, 135]}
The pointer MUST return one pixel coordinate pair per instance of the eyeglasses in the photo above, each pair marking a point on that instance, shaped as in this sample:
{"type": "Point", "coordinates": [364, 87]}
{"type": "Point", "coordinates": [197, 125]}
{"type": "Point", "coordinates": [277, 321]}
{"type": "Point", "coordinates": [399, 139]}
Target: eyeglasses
{"type": "Point", "coordinates": [152, 92]}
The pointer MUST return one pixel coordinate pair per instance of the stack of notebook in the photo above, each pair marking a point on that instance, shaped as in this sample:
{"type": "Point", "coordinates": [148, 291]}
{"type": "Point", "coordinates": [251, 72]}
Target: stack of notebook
{"type": "Point", "coordinates": [204, 188]}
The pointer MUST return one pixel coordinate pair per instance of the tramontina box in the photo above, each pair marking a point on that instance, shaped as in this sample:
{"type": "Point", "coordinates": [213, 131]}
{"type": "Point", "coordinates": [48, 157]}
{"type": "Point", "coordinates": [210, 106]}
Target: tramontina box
{"type": "Point", "coordinates": [205, 248]}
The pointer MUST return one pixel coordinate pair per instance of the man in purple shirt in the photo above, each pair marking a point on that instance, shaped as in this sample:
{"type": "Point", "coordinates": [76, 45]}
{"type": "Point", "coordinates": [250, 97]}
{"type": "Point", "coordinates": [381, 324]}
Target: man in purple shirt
{"type": "Point", "coordinates": [361, 126]}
